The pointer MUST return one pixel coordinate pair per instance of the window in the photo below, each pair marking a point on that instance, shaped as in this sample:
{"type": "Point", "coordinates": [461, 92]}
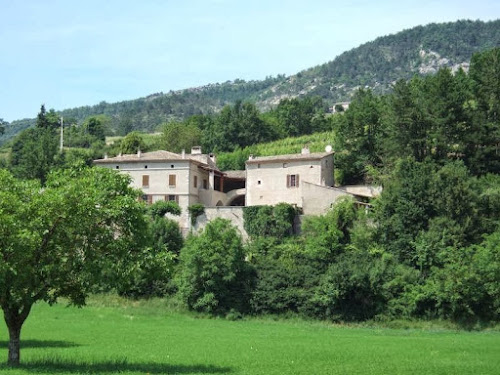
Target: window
{"type": "Point", "coordinates": [145, 180]}
{"type": "Point", "coordinates": [174, 198]}
{"type": "Point", "coordinates": [292, 180]}
{"type": "Point", "coordinates": [285, 165]}
{"type": "Point", "coordinates": [117, 167]}
{"type": "Point", "coordinates": [259, 182]}
{"type": "Point", "coordinates": [205, 184]}
{"type": "Point", "coordinates": [171, 180]}
{"type": "Point", "coordinates": [195, 183]}
{"type": "Point", "coordinates": [147, 198]}
{"type": "Point", "coordinates": [171, 166]}
{"type": "Point", "coordinates": [145, 167]}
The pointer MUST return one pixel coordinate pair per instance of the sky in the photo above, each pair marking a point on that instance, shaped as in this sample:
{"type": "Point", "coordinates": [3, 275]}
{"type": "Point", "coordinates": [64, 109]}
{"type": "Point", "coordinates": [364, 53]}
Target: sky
{"type": "Point", "coordinates": [70, 53]}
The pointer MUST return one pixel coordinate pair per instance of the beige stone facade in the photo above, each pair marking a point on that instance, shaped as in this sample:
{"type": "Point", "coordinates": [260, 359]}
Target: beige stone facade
{"type": "Point", "coordinates": [162, 175]}
{"type": "Point", "coordinates": [305, 180]}
{"type": "Point", "coordinates": [274, 179]}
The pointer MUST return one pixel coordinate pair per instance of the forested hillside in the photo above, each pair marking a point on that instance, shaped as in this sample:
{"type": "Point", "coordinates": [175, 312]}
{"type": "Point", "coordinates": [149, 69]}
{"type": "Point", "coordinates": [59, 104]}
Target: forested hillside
{"type": "Point", "coordinates": [427, 248]}
{"type": "Point", "coordinates": [377, 64]}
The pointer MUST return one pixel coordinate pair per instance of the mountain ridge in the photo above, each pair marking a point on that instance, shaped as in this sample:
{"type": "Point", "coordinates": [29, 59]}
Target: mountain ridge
{"type": "Point", "coordinates": [376, 65]}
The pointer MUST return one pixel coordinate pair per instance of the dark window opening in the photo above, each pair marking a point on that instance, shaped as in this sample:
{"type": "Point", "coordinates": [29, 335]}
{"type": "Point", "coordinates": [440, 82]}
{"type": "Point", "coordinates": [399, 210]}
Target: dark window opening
{"type": "Point", "coordinates": [292, 180]}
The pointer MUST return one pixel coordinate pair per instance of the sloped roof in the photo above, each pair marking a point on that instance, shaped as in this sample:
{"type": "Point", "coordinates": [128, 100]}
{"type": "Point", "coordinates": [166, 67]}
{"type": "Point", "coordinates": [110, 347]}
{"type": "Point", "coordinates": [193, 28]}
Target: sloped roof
{"type": "Point", "coordinates": [160, 155]}
{"type": "Point", "coordinates": [235, 174]}
{"type": "Point", "coordinates": [289, 157]}
{"type": "Point", "coordinates": [145, 156]}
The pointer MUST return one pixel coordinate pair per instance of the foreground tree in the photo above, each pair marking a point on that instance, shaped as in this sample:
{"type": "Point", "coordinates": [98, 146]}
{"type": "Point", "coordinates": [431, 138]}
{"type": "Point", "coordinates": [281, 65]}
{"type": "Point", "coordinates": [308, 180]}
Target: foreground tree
{"type": "Point", "coordinates": [63, 239]}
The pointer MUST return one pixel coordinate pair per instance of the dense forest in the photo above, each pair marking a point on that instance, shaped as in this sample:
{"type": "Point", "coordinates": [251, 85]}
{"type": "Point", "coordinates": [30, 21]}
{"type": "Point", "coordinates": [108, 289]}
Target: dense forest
{"type": "Point", "coordinates": [427, 248]}
{"type": "Point", "coordinates": [375, 65]}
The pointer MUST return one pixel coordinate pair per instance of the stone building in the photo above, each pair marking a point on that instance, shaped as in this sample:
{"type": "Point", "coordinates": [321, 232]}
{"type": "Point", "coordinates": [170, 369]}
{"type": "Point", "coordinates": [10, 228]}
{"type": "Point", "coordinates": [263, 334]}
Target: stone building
{"type": "Point", "coordinates": [305, 180]}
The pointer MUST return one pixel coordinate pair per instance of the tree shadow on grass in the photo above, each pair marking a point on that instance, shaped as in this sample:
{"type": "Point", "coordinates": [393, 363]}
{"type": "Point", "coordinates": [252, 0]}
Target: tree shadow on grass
{"type": "Point", "coordinates": [41, 344]}
{"type": "Point", "coordinates": [57, 366]}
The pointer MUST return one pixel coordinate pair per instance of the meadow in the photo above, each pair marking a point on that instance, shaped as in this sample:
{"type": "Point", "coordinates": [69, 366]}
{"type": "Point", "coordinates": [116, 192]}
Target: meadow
{"type": "Point", "coordinates": [112, 336]}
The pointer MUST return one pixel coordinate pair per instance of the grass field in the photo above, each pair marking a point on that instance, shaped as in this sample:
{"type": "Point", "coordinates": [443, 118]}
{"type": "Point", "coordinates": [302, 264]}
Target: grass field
{"type": "Point", "coordinates": [115, 337]}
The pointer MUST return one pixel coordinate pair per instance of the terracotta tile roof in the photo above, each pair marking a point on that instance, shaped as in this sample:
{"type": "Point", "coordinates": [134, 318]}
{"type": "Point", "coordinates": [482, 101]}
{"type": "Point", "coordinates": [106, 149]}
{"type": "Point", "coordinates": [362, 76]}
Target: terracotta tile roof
{"type": "Point", "coordinates": [289, 157]}
{"type": "Point", "coordinates": [160, 155]}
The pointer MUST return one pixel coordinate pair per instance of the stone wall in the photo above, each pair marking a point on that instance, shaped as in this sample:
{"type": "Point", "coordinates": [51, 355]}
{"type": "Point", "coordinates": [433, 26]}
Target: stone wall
{"type": "Point", "coordinates": [233, 214]}
{"type": "Point", "coordinates": [317, 199]}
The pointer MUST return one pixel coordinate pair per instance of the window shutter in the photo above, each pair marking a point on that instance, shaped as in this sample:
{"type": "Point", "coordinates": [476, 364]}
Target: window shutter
{"type": "Point", "coordinates": [145, 180]}
{"type": "Point", "coordinates": [296, 180]}
{"type": "Point", "coordinates": [287, 180]}
{"type": "Point", "coordinates": [150, 198]}
{"type": "Point", "coordinates": [171, 180]}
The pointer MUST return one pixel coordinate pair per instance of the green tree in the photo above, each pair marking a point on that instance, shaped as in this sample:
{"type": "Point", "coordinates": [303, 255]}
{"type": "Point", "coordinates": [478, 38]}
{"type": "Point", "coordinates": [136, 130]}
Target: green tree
{"type": "Point", "coordinates": [408, 122]}
{"type": "Point", "coordinates": [166, 235]}
{"type": "Point", "coordinates": [296, 116]}
{"type": "Point", "coordinates": [178, 136]}
{"type": "Point", "coordinates": [34, 153]}
{"type": "Point", "coordinates": [483, 146]}
{"type": "Point", "coordinates": [405, 207]}
{"type": "Point", "coordinates": [59, 241]}
{"type": "Point", "coordinates": [359, 134]}
{"type": "Point", "coordinates": [2, 125]}
{"type": "Point", "coordinates": [47, 120]}
{"type": "Point", "coordinates": [132, 143]}
{"type": "Point", "coordinates": [214, 276]}
{"type": "Point", "coordinates": [96, 126]}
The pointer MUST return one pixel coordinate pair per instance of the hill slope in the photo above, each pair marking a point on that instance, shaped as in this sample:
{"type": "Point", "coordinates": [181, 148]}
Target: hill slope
{"type": "Point", "coordinates": [376, 64]}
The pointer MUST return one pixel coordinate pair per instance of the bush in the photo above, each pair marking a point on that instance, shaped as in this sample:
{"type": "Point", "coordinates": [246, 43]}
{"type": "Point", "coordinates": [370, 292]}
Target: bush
{"type": "Point", "coordinates": [214, 276]}
{"type": "Point", "coordinates": [466, 289]}
{"type": "Point", "coordinates": [166, 235]}
{"type": "Point", "coordinates": [262, 221]}
{"type": "Point", "coordinates": [160, 208]}
{"type": "Point", "coordinates": [153, 271]}
{"type": "Point", "coordinates": [360, 285]}
{"type": "Point", "coordinates": [196, 210]}
{"type": "Point", "coordinates": [286, 276]}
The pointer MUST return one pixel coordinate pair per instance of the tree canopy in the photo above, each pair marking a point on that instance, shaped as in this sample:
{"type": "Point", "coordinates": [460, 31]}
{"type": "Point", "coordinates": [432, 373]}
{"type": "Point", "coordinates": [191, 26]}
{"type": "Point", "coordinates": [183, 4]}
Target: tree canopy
{"type": "Point", "coordinates": [63, 239]}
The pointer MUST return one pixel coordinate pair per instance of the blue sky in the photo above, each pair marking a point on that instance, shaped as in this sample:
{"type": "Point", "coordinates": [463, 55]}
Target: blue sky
{"type": "Point", "coordinates": [74, 53]}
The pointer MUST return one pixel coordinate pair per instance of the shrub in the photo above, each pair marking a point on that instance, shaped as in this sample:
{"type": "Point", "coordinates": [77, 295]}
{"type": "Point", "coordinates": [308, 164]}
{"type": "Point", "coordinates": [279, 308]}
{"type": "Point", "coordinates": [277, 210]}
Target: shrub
{"type": "Point", "coordinates": [359, 286]}
{"type": "Point", "coordinates": [160, 208]}
{"type": "Point", "coordinates": [214, 276]}
{"type": "Point", "coordinates": [270, 221]}
{"type": "Point", "coordinates": [196, 210]}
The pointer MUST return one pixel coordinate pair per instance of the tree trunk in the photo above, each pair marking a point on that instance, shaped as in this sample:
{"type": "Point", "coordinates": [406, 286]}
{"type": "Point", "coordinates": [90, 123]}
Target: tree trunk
{"type": "Point", "coordinates": [14, 345]}
{"type": "Point", "coordinates": [14, 318]}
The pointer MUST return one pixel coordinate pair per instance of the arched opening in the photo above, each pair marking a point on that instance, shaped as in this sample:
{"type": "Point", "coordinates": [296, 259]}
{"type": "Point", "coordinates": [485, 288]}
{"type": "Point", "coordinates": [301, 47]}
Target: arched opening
{"type": "Point", "coordinates": [219, 203]}
{"type": "Point", "coordinates": [238, 201]}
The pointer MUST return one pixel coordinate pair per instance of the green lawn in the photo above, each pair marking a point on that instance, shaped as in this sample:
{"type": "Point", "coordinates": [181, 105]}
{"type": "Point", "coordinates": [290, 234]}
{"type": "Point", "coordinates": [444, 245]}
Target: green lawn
{"type": "Point", "coordinates": [143, 338]}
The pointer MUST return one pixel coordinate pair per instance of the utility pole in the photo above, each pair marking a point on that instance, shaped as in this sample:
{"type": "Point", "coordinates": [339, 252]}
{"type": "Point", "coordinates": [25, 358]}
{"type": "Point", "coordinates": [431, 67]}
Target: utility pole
{"type": "Point", "coordinates": [61, 143]}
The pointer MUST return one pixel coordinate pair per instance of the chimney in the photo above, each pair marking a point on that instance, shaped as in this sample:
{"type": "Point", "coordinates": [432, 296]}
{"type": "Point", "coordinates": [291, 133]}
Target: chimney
{"type": "Point", "coordinates": [251, 157]}
{"type": "Point", "coordinates": [305, 150]}
{"type": "Point", "coordinates": [212, 157]}
{"type": "Point", "coordinates": [196, 150]}
{"type": "Point", "coordinates": [183, 153]}
{"type": "Point", "coordinates": [120, 154]}
{"type": "Point", "coordinates": [105, 156]}
{"type": "Point", "coordinates": [139, 153]}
